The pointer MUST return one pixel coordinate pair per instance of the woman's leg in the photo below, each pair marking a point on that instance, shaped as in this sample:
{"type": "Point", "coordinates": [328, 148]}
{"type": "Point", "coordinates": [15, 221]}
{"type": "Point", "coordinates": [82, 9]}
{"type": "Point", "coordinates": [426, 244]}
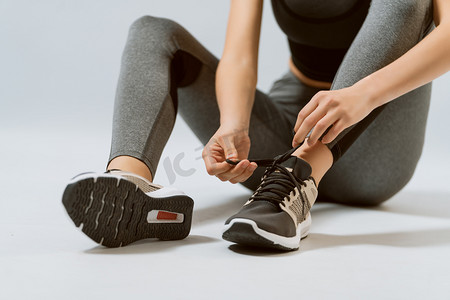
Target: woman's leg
{"type": "Point", "coordinates": [386, 146]}
{"type": "Point", "coordinates": [165, 70]}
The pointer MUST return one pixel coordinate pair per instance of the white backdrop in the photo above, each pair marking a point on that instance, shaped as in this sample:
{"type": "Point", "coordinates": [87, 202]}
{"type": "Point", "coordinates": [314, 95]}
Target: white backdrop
{"type": "Point", "coordinates": [63, 56]}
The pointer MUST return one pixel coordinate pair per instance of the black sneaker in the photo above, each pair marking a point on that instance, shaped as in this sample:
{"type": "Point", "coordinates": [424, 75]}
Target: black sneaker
{"type": "Point", "coordinates": [118, 208]}
{"type": "Point", "coordinates": [277, 215]}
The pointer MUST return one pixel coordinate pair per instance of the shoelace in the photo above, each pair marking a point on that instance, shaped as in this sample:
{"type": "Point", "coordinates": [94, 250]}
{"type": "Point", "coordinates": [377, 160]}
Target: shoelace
{"type": "Point", "coordinates": [279, 183]}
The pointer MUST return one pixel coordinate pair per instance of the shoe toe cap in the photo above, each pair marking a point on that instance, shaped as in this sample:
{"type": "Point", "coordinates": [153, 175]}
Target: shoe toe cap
{"type": "Point", "coordinates": [267, 216]}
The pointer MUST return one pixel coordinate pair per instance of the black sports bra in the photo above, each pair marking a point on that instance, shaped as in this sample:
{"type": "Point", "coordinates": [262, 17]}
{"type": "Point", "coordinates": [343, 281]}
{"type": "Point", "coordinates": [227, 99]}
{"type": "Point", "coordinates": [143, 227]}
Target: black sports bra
{"type": "Point", "coordinates": [319, 32]}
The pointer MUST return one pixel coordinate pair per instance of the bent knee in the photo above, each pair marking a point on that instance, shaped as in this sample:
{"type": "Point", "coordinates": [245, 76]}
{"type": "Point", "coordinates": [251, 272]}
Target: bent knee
{"type": "Point", "coordinates": [157, 27]}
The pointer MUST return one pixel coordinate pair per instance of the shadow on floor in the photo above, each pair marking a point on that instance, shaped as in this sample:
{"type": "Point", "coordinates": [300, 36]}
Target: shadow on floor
{"type": "Point", "coordinates": [316, 241]}
{"type": "Point", "coordinates": [152, 246]}
{"type": "Point", "coordinates": [421, 238]}
{"type": "Point", "coordinates": [253, 251]}
{"type": "Point", "coordinates": [411, 203]}
{"type": "Point", "coordinates": [419, 203]}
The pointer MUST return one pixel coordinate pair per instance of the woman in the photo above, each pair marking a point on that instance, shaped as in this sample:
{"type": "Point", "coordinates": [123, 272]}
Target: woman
{"type": "Point", "coordinates": [331, 118]}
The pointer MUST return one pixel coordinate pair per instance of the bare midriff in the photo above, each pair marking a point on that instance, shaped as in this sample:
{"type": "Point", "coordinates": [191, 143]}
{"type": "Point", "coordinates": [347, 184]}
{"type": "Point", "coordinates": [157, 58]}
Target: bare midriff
{"type": "Point", "coordinates": [306, 80]}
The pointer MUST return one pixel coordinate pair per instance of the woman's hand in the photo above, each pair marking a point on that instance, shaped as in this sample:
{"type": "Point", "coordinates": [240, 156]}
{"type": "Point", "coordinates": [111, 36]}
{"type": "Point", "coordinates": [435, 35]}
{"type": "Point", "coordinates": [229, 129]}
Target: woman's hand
{"type": "Point", "coordinates": [229, 142]}
{"type": "Point", "coordinates": [339, 109]}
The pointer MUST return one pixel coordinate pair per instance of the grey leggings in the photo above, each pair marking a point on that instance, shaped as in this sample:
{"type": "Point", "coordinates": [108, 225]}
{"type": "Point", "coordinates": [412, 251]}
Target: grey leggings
{"type": "Point", "coordinates": [165, 70]}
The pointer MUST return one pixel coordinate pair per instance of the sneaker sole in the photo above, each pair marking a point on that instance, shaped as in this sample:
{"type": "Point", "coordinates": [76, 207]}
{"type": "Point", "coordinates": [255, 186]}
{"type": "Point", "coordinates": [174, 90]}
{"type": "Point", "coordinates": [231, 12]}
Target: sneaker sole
{"type": "Point", "coordinates": [246, 232]}
{"type": "Point", "coordinates": [113, 211]}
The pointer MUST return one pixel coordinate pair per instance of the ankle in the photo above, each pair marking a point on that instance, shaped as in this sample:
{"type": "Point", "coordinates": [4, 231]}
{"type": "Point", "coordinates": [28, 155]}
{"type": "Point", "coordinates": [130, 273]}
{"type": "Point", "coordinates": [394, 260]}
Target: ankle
{"type": "Point", "coordinates": [132, 165]}
{"type": "Point", "coordinates": [318, 156]}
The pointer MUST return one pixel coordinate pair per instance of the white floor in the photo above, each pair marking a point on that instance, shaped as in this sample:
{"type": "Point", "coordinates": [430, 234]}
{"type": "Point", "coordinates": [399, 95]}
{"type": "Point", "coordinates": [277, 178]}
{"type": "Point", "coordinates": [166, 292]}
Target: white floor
{"type": "Point", "coordinates": [397, 251]}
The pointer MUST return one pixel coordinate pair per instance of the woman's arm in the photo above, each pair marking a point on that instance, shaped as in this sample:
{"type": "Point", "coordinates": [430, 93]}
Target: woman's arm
{"type": "Point", "coordinates": [426, 61]}
{"type": "Point", "coordinates": [236, 75]}
{"type": "Point", "coordinates": [236, 78]}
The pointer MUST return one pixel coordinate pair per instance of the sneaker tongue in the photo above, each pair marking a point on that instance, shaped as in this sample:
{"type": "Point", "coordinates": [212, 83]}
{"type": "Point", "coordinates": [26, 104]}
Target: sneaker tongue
{"type": "Point", "coordinates": [299, 167]}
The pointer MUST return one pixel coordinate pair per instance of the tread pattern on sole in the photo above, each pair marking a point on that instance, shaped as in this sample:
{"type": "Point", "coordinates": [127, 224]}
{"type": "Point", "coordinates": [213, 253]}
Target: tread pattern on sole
{"type": "Point", "coordinates": [113, 212]}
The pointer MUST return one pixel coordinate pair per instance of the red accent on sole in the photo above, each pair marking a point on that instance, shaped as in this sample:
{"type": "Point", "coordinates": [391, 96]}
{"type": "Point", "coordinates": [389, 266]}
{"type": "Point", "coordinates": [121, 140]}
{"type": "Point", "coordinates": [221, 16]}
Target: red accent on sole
{"type": "Point", "coordinates": [163, 215]}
